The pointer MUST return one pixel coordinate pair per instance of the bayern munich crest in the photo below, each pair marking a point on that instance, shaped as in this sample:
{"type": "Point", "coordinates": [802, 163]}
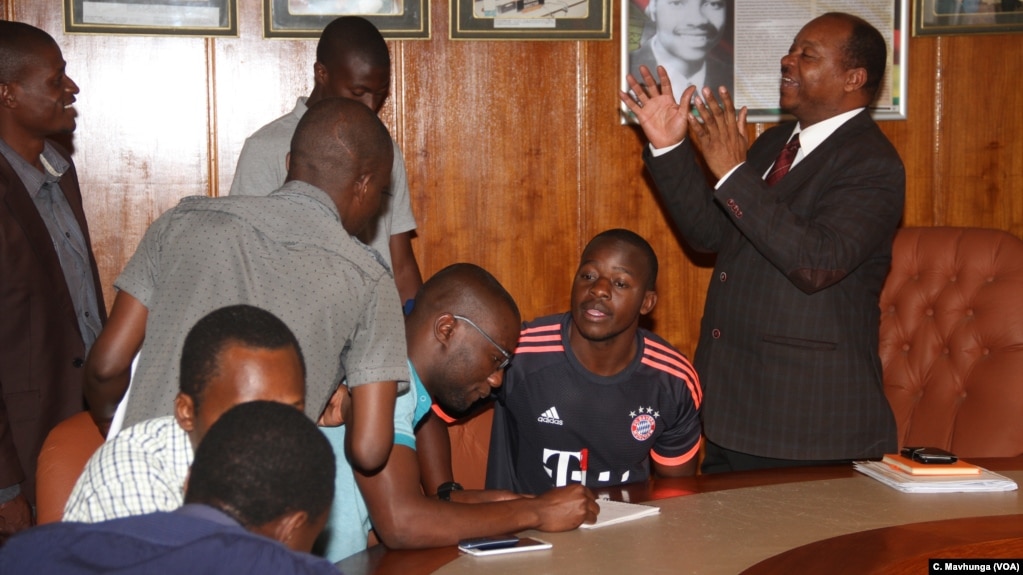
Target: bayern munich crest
{"type": "Point", "coordinates": [643, 423]}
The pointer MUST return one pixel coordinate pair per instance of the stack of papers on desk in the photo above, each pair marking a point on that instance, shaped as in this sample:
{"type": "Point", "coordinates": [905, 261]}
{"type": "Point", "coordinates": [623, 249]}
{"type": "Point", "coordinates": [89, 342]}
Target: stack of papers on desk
{"type": "Point", "coordinates": [907, 483]}
{"type": "Point", "coordinates": [612, 512]}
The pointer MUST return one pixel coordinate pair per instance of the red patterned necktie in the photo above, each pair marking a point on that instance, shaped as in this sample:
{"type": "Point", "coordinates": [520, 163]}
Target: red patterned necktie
{"type": "Point", "coordinates": [784, 161]}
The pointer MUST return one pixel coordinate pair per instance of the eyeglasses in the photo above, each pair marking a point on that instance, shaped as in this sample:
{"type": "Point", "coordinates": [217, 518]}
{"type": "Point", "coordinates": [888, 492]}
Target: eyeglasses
{"type": "Point", "coordinates": [507, 356]}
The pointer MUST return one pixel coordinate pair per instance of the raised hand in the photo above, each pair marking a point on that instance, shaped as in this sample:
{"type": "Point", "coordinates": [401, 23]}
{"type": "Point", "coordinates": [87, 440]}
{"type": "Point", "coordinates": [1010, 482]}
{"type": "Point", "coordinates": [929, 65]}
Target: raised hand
{"type": "Point", "coordinates": [720, 133]}
{"type": "Point", "coordinates": [663, 120]}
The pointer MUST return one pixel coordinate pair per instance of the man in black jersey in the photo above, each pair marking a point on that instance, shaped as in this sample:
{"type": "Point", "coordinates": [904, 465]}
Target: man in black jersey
{"type": "Point", "coordinates": [591, 397]}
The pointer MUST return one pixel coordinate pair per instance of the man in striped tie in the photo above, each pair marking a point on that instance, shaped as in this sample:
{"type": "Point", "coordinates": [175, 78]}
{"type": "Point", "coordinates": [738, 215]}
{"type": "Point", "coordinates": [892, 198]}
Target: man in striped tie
{"type": "Point", "coordinates": [788, 349]}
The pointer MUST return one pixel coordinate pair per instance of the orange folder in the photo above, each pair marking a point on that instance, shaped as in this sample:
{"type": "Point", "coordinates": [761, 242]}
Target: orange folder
{"type": "Point", "coordinates": [916, 468]}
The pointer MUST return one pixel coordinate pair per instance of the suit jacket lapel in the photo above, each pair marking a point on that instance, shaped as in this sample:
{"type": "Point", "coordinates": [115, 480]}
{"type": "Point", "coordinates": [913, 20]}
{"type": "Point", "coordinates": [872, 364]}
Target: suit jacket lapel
{"type": "Point", "coordinates": [31, 223]}
{"type": "Point", "coordinates": [767, 147]}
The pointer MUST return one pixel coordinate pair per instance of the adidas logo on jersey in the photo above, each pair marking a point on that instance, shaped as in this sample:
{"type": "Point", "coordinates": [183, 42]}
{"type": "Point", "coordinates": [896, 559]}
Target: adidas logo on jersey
{"type": "Point", "coordinates": [550, 416]}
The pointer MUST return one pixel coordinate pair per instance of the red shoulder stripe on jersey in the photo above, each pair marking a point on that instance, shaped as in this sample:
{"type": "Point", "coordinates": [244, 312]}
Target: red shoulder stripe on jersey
{"type": "Point", "coordinates": [694, 386]}
{"type": "Point", "coordinates": [440, 413]}
{"type": "Point", "coordinates": [541, 329]}
{"type": "Point", "coordinates": [528, 338]}
{"type": "Point", "coordinates": [539, 349]}
{"type": "Point", "coordinates": [678, 360]}
{"type": "Point", "coordinates": [535, 338]}
{"type": "Point", "coordinates": [672, 461]}
{"type": "Point", "coordinates": [670, 351]}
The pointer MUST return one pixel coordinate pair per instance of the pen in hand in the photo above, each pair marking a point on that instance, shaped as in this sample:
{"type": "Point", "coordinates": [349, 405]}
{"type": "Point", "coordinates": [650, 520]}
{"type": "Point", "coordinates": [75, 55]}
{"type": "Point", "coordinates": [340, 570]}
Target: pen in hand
{"type": "Point", "coordinates": [584, 456]}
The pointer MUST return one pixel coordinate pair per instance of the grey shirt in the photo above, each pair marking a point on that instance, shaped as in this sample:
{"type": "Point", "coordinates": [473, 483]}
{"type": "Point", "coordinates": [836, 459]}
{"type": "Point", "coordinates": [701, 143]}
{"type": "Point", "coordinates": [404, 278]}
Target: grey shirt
{"type": "Point", "coordinates": [286, 253]}
{"type": "Point", "coordinates": [262, 169]}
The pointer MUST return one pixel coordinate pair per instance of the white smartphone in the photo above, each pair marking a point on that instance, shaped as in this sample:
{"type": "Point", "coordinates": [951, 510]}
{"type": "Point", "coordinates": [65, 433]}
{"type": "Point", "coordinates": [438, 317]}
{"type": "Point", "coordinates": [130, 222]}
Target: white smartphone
{"type": "Point", "coordinates": [484, 546]}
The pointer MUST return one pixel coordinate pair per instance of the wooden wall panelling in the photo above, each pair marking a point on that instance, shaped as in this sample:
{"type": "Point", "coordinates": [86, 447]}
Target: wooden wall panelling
{"type": "Point", "coordinates": [256, 80]}
{"type": "Point", "coordinates": [917, 137]}
{"type": "Point", "coordinates": [489, 134]}
{"type": "Point", "coordinates": [981, 153]}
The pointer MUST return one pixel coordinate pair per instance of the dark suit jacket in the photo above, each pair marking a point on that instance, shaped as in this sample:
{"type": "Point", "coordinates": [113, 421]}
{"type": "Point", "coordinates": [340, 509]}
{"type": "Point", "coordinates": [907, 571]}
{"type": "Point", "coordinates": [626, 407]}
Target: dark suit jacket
{"type": "Point", "coordinates": [41, 348]}
{"type": "Point", "coordinates": [788, 351]}
{"type": "Point", "coordinates": [719, 71]}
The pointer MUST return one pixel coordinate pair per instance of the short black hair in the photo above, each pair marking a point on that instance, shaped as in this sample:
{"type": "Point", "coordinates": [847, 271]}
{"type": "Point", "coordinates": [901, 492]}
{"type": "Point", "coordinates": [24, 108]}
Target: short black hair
{"type": "Point", "coordinates": [17, 44]}
{"type": "Point", "coordinates": [342, 135]}
{"type": "Point", "coordinates": [352, 35]}
{"type": "Point", "coordinates": [261, 460]}
{"type": "Point", "coordinates": [632, 238]}
{"type": "Point", "coordinates": [241, 324]}
{"type": "Point", "coordinates": [463, 288]}
{"type": "Point", "coordinates": [865, 49]}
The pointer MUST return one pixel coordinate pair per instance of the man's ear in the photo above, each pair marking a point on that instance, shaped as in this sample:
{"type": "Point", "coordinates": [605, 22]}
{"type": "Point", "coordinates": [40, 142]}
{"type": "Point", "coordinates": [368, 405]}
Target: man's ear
{"type": "Point", "coordinates": [6, 95]}
{"type": "Point", "coordinates": [443, 328]}
{"type": "Point", "coordinates": [184, 412]}
{"type": "Point", "coordinates": [361, 187]}
{"type": "Point", "coordinates": [649, 301]}
{"type": "Point", "coordinates": [855, 79]}
{"type": "Point", "coordinates": [320, 74]}
{"type": "Point", "coordinates": [285, 529]}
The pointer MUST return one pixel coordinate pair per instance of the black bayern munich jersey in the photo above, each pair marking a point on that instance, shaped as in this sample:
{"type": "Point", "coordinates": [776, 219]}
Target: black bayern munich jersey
{"type": "Point", "coordinates": [551, 408]}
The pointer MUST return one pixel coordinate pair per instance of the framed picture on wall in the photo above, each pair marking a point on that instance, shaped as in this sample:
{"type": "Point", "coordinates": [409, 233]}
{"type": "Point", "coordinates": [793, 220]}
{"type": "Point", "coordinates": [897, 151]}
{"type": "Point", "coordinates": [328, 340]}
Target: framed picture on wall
{"type": "Point", "coordinates": [396, 19]}
{"type": "Point", "coordinates": [530, 19]}
{"type": "Point", "coordinates": [941, 17]}
{"type": "Point", "coordinates": [739, 44]}
{"type": "Point", "coordinates": [152, 17]}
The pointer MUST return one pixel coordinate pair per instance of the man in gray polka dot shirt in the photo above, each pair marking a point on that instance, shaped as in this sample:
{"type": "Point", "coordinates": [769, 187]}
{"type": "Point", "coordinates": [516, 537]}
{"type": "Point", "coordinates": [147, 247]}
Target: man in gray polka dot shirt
{"type": "Point", "coordinates": [293, 253]}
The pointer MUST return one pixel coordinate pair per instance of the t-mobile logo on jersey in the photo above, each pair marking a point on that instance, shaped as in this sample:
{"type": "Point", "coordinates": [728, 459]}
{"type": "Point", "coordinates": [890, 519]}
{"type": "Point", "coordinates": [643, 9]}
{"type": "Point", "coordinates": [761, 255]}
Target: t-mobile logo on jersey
{"type": "Point", "coordinates": [562, 466]}
{"type": "Point", "coordinates": [566, 466]}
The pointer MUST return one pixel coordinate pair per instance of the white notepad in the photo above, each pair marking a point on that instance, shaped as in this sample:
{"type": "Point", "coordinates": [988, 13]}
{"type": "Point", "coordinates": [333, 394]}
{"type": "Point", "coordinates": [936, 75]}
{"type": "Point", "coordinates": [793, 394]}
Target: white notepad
{"type": "Point", "coordinates": [612, 512]}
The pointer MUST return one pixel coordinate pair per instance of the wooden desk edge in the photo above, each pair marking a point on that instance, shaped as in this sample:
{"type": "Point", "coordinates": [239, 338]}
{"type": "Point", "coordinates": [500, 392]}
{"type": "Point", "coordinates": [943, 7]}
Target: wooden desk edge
{"type": "Point", "coordinates": [381, 561]}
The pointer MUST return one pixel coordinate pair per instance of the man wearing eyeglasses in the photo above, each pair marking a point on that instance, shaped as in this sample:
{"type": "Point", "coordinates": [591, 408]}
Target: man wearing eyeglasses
{"type": "Point", "coordinates": [460, 336]}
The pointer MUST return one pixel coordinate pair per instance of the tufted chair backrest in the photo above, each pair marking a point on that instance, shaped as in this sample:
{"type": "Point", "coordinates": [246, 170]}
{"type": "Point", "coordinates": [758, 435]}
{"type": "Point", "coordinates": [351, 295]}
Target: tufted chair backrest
{"type": "Point", "coordinates": [951, 341]}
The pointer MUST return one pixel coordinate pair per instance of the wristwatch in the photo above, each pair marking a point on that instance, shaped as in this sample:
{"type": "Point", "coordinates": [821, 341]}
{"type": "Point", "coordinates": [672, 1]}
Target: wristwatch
{"type": "Point", "coordinates": [444, 490]}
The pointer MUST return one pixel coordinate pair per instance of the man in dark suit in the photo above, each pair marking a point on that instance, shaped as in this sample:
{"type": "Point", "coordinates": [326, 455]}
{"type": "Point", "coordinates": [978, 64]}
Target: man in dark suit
{"type": "Point", "coordinates": [789, 338]}
{"type": "Point", "coordinates": [686, 39]}
{"type": "Point", "coordinates": [51, 300]}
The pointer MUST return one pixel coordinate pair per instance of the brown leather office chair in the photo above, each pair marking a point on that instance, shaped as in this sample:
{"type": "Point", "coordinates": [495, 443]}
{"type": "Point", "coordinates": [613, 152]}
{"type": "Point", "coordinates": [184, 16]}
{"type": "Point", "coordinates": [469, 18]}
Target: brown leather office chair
{"type": "Point", "coordinates": [470, 444]}
{"type": "Point", "coordinates": [63, 457]}
{"type": "Point", "coordinates": [951, 340]}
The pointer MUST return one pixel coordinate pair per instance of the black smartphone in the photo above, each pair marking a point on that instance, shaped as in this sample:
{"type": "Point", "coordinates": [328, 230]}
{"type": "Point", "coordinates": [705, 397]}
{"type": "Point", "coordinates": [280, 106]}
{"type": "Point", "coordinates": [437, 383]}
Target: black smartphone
{"type": "Point", "coordinates": [929, 455]}
{"type": "Point", "coordinates": [487, 543]}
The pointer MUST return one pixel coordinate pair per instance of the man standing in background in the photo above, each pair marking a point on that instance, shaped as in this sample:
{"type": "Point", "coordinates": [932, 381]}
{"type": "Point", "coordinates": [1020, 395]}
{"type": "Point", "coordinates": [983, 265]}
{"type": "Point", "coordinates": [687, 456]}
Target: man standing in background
{"type": "Point", "coordinates": [51, 299]}
{"type": "Point", "coordinates": [352, 61]}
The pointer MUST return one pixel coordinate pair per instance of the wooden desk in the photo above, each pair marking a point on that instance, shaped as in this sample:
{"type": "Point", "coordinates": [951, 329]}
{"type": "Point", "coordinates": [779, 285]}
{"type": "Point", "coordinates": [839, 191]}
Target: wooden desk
{"type": "Point", "coordinates": [902, 548]}
{"type": "Point", "coordinates": [731, 522]}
